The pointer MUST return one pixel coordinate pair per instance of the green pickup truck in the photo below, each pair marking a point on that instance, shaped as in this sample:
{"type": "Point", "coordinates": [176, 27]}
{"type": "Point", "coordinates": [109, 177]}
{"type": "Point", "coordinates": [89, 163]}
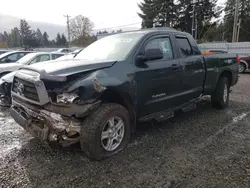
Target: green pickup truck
{"type": "Point", "coordinates": [98, 97]}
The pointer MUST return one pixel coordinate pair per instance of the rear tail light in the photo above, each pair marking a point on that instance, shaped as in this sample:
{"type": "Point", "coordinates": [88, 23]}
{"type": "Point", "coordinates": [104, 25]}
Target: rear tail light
{"type": "Point", "coordinates": [238, 59]}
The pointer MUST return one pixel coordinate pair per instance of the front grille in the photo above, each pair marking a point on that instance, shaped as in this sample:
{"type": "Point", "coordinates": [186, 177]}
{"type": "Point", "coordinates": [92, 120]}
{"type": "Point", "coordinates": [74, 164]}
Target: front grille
{"type": "Point", "coordinates": [25, 88]}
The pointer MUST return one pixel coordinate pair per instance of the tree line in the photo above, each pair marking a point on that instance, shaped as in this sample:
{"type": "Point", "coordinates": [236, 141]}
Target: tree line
{"type": "Point", "coordinates": [24, 36]}
{"type": "Point", "coordinates": [179, 14]}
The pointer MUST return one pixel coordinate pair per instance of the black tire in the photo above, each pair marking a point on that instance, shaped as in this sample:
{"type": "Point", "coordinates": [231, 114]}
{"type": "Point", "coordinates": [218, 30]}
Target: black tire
{"type": "Point", "coordinates": [243, 69]}
{"type": "Point", "coordinates": [90, 135]}
{"type": "Point", "coordinates": [217, 99]}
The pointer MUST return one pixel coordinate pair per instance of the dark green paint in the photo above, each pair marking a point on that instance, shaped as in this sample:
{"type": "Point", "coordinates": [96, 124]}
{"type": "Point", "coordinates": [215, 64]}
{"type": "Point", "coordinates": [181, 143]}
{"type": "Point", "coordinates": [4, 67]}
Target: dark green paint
{"type": "Point", "coordinates": [151, 86]}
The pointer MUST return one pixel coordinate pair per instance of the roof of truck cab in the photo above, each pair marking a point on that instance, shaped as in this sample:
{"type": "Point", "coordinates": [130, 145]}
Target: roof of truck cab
{"type": "Point", "coordinates": [154, 30]}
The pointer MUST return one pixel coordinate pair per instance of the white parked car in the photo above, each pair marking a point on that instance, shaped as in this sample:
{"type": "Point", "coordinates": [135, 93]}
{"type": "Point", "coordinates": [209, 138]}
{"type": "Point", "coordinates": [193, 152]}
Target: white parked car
{"type": "Point", "coordinates": [67, 56]}
{"type": "Point", "coordinates": [28, 59]}
{"type": "Point", "coordinates": [77, 51]}
{"type": "Point", "coordinates": [7, 79]}
{"type": "Point", "coordinates": [63, 50]}
{"type": "Point", "coordinates": [12, 56]}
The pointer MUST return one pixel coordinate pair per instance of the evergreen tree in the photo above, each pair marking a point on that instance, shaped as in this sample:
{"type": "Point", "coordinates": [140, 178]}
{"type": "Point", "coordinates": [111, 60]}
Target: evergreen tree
{"type": "Point", "coordinates": [39, 37]}
{"type": "Point", "coordinates": [58, 40]}
{"type": "Point", "coordinates": [5, 36]}
{"type": "Point", "coordinates": [63, 40]}
{"type": "Point", "coordinates": [25, 32]}
{"type": "Point", "coordinates": [205, 10]}
{"type": "Point", "coordinates": [26, 37]}
{"type": "Point", "coordinates": [53, 43]}
{"type": "Point", "coordinates": [15, 37]}
{"type": "Point", "coordinates": [148, 13]}
{"type": "Point", "coordinates": [178, 14]}
{"type": "Point", "coordinates": [166, 15]}
{"type": "Point", "coordinates": [45, 39]}
{"type": "Point", "coordinates": [32, 40]}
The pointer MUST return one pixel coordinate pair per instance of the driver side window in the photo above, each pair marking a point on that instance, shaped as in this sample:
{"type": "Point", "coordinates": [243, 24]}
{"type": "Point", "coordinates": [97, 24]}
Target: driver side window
{"type": "Point", "coordinates": [161, 43]}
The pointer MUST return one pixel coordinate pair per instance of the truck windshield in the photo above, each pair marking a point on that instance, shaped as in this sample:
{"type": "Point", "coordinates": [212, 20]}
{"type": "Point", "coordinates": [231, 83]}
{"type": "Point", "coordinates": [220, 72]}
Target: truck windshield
{"type": "Point", "coordinates": [115, 47]}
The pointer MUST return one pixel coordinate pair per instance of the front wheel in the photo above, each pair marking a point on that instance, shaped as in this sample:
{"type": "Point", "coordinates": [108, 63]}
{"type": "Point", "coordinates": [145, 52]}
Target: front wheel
{"type": "Point", "coordinates": [105, 132]}
{"type": "Point", "coordinates": [220, 97]}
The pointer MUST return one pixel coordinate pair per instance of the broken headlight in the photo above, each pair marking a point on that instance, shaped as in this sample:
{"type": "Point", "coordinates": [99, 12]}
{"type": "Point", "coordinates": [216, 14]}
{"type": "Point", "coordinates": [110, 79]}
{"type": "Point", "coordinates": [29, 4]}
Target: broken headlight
{"type": "Point", "coordinates": [67, 97]}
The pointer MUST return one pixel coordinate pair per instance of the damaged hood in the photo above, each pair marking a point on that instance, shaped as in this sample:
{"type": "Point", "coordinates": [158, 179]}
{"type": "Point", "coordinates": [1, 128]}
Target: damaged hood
{"type": "Point", "coordinates": [69, 67]}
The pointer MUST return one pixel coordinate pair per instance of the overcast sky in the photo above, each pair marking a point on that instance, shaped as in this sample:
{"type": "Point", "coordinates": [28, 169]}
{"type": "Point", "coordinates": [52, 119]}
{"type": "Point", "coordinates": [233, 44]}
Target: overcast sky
{"type": "Point", "coordinates": [104, 13]}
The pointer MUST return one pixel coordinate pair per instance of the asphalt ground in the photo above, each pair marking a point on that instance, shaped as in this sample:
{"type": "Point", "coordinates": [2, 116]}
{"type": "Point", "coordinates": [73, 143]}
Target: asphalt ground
{"type": "Point", "coordinates": [201, 148]}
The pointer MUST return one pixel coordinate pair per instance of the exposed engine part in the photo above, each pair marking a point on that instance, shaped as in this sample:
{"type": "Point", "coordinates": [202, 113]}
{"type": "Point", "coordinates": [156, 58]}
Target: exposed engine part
{"type": "Point", "coordinates": [67, 97]}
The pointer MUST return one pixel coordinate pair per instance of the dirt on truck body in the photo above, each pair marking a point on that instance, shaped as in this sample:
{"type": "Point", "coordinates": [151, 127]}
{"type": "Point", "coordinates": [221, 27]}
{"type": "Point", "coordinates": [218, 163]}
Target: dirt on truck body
{"type": "Point", "coordinates": [97, 97]}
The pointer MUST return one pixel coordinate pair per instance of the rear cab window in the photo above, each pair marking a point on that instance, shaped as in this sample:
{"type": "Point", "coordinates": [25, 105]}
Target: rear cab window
{"type": "Point", "coordinates": [184, 46]}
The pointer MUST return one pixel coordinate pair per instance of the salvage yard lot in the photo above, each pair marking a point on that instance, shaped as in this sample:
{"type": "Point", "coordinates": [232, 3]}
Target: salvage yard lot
{"type": "Point", "coordinates": [202, 148]}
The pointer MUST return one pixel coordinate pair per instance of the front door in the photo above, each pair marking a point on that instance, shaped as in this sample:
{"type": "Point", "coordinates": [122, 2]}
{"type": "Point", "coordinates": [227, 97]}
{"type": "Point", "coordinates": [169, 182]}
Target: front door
{"type": "Point", "coordinates": [158, 81]}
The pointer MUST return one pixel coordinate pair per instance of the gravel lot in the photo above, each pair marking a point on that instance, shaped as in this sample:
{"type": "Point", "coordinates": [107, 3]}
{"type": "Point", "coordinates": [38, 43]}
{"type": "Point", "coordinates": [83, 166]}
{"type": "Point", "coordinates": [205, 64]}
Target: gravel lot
{"type": "Point", "coordinates": [201, 148]}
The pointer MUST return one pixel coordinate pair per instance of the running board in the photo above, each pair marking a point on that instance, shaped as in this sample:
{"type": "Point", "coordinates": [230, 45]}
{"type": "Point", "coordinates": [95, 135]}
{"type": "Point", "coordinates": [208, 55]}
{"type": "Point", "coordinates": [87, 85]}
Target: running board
{"type": "Point", "coordinates": [169, 113]}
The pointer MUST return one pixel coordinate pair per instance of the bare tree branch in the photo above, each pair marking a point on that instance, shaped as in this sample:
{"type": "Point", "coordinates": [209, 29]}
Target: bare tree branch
{"type": "Point", "coordinates": [80, 26]}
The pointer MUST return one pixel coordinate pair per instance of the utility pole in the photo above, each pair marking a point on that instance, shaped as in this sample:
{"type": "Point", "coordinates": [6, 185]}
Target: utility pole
{"type": "Point", "coordinates": [68, 28]}
{"type": "Point", "coordinates": [238, 31]}
{"type": "Point", "coordinates": [236, 18]}
{"type": "Point", "coordinates": [193, 18]}
{"type": "Point", "coordinates": [196, 26]}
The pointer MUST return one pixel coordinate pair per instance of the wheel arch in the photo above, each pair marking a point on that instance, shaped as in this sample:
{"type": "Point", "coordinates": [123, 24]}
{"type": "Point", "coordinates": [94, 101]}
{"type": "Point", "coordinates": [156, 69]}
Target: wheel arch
{"type": "Point", "coordinates": [124, 99]}
{"type": "Point", "coordinates": [227, 74]}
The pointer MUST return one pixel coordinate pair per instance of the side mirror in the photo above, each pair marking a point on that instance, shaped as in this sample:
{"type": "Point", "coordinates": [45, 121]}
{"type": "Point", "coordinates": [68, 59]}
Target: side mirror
{"type": "Point", "coordinates": [150, 55]}
{"type": "Point", "coordinates": [8, 60]}
{"type": "Point", "coordinates": [154, 54]}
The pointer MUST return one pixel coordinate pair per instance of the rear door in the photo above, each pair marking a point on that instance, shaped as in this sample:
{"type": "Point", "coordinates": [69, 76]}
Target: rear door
{"type": "Point", "coordinates": [158, 81]}
{"type": "Point", "coordinates": [193, 69]}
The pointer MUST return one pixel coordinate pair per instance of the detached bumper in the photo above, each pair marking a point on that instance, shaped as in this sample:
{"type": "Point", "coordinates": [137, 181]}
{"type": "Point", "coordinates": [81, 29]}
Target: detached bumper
{"type": "Point", "coordinates": [45, 125]}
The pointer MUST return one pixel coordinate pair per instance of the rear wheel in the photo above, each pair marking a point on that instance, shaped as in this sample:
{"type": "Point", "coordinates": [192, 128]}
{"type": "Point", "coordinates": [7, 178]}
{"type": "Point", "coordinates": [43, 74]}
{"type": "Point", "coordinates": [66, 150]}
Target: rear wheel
{"type": "Point", "coordinates": [242, 67]}
{"type": "Point", "coordinates": [220, 97]}
{"type": "Point", "coordinates": [105, 132]}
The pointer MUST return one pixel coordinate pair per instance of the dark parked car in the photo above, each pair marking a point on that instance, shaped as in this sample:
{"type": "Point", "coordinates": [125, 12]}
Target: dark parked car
{"type": "Point", "coordinates": [97, 97]}
{"type": "Point", "coordinates": [12, 56]}
{"type": "Point", "coordinates": [244, 64]}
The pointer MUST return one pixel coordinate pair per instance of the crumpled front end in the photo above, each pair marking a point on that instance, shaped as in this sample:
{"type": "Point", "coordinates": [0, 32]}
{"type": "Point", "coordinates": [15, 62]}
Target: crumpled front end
{"type": "Point", "coordinates": [34, 109]}
{"type": "Point", "coordinates": [46, 125]}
